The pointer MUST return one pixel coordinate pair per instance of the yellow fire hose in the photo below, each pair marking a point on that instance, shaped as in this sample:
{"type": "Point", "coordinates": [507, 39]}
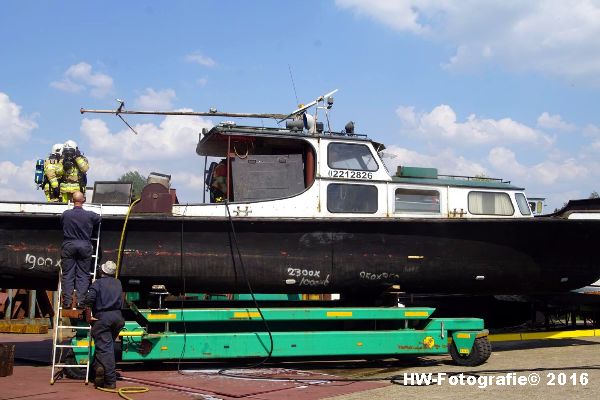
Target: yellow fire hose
{"type": "Point", "coordinates": [125, 390]}
{"type": "Point", "coordinates": [123, 237]}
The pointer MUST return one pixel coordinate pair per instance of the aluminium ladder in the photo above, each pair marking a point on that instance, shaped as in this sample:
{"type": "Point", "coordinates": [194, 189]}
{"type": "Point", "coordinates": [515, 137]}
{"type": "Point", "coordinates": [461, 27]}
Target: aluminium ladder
{"type": "Point", "coordinates": [57, 349]}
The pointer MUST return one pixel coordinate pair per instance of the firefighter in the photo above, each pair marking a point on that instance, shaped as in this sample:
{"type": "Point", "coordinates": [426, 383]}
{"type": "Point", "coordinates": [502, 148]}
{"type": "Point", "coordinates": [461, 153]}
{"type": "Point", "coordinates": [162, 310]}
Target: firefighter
{"type": "Point", "coordinates": [75, 167]}
{"type": "Point", "coordinates": [53, 173]}
{"type": "Point", "coordinates": [218, 186]}
{"type": "Point", "coordinates": [76, 251]}
{"type": "Point", "coordinates": [105, 299]}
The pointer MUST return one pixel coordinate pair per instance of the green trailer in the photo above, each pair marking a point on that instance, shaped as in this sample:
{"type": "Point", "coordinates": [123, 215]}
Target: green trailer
{"type": "Point", "coordinates": [288, 332]}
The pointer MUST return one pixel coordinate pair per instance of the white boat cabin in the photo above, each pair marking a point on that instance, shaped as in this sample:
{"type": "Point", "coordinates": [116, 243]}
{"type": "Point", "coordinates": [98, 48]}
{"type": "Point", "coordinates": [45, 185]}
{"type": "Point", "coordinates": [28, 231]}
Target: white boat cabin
{"type": "Point", "coordinates": [271, 172]}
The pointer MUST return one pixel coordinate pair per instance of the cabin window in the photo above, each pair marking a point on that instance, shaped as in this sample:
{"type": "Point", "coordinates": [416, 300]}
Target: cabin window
{"type": "Point", "coordinates": [490, 203]}
{"type": "Point", "coordinates": [343, 198]}
{"type": "Point", "coordinates": [417, 201]}
{"type": "Point", "coordinates": [351, 156]}
{"type": "Point", "coordinates": [522, 203]}
{"type": "Point", "coordinates": [536, 207]}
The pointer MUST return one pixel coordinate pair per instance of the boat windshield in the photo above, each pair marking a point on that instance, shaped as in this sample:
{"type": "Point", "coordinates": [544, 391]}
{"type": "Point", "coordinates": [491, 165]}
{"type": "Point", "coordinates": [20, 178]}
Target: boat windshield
{"type": "Point", "coordinates": [351, 156]}
{"type": "Point", "coordinates": [523, 204]}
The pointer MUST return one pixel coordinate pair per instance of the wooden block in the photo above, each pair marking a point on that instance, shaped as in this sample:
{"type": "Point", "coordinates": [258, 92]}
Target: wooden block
{"type": "Point", "coordinates": [7, 359]}
{"type": "Point", "coordinates": [70, 313]}
{"type": "Point", "coordinates": [23, 328]}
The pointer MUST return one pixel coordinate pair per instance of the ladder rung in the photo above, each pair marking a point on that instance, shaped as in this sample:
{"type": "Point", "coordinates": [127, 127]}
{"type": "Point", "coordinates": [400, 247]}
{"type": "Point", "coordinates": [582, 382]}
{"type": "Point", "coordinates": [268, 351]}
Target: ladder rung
{"type": "Point", "coordinates": [71, 346]}
{"type": "Point", "coordinates": [72, 327]}
{"type": "Point", "coordinates": [71, 365]}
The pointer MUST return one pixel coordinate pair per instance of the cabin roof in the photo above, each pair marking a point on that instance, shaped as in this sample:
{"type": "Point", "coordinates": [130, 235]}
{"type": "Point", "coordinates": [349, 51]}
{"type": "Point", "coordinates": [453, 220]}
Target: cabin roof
{"type": "Point", "coordinates": [458, 182]}
{"type": "Point", "coordinates": [213, 141]}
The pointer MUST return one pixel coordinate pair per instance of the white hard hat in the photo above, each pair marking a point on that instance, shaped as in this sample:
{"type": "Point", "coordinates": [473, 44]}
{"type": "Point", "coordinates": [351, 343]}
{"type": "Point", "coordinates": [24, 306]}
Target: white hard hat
{"type": "Point", "coordinates": [56, 148]}
{"type": "Point", "coordinates": [109, 267]}
{"type": "Point", "coordinates": [70, 144]}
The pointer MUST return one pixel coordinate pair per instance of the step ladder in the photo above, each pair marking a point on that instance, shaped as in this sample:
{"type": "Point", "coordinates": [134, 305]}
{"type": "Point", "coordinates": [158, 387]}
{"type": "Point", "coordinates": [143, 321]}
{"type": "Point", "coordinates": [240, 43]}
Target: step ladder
{"type": "Point", "coordinates": [58, 349]}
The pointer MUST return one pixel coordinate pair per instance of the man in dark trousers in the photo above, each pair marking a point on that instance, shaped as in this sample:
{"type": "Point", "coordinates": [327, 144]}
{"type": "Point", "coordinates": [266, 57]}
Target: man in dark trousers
{"type": "Point", "coordinates": [76, 253]}
{"type": "Point", "coordinates": [105, 298]}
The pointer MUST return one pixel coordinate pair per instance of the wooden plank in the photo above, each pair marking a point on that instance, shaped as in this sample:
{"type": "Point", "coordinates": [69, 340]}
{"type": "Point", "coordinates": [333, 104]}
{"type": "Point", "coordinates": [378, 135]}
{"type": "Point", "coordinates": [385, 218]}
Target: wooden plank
{"type": "Point", "coordinates": [22, 328]}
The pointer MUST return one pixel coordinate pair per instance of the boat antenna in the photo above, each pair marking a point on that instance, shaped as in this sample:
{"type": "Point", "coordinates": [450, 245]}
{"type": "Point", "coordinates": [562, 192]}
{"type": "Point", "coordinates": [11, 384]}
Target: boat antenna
{"type": "Point", "coordinates": [293, 84]}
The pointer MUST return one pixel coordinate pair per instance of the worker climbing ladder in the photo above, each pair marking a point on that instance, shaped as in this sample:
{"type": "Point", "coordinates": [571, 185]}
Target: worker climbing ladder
{"type": "Point", "coordinates": [58, 359]}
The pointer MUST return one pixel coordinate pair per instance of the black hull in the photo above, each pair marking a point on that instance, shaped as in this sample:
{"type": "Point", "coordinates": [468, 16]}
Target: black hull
{"type": "Point", "coordinates": [508, 256]}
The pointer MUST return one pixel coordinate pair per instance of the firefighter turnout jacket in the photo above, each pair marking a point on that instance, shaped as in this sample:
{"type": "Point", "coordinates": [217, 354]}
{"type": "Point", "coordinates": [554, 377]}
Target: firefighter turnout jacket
{"type": "Point", "coordinates": [53, 173]}
{"type": "Point", "coordinates": [74, 178]}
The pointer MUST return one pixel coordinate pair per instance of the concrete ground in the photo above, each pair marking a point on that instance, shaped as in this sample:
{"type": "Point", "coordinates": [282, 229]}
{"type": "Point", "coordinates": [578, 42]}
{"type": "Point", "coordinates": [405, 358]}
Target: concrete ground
{"type": "Point", "coordinates": [574, 365]}
{"type": "Point", "coordinates": [567, 369]}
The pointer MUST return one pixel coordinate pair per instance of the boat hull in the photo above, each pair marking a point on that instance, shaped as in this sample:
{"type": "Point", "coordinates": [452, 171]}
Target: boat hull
{"type": "Point", "coordinates": [194, 254]}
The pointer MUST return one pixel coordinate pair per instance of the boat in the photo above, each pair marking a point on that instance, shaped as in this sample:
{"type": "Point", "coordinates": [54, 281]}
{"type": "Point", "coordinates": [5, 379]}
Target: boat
{"type": "Point", "coordinates": [311, 210]}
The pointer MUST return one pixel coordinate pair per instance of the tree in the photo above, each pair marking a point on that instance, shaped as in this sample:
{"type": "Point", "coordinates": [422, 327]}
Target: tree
{"type": "Point", "coordinates": [594, 195]}
{"type": "Point", "coordinates": [137, 180]}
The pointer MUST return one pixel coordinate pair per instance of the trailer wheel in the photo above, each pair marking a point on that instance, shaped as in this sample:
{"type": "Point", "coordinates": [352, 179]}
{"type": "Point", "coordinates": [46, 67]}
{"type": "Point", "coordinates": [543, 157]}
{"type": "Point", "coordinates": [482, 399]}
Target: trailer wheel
{"type": "Point", "coordinates": [481, 351]}
{"type": "Point", "coordinates": [73, 373]}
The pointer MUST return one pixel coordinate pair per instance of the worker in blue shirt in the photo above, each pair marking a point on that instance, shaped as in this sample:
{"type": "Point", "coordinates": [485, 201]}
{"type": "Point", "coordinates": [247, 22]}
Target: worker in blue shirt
{"type": "Point", "coordinates": [105, 298]}
{"type": "Point", "coordinates": [76, 253]}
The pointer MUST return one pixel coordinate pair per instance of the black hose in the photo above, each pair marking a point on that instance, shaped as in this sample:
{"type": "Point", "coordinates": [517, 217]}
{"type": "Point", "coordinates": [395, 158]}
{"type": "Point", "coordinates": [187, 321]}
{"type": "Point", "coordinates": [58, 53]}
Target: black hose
{"type": "Point", "coordinates": [237, 247]}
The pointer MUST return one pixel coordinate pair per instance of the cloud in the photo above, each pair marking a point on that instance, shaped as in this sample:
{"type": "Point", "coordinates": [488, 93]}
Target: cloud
{"type": "Point", "coordinates": [175, 137]}
{"type": "Point", "coordinates": [104, 168]}
{"type": "Point", "coordinates": [14, 127]}
{"type": "Point", "coordinates": [554, 122]}
{"type": "Point", "coordinates": [505, 160]}
{"type": "Point", "coordinates": [186, 179]}
{"type": "Point", "coordinates": [167, 147]}
{"type": "Point", "coordinates": [446, 161]}
{"type": "Point", "coordinates": [548, 172]}
{"type": "Point", "coordinates": [592, 131]}
{"type": "Point", "coordinates": [156, 100]}
{"type": "Point", "coordinates": [442, 123]}
{"type": "Point", "coordinates": [552, 37]}
{"type": "Point", "coordinates": [201, 59]}
{"type": "Point", "coordinates": [80, 77]}
{"type": "Point", "coordinates": [16, 182]}
{"type": "Point", "coordinates": [399, 15]}
{"type": "Point", "coordinates": [202, 82]}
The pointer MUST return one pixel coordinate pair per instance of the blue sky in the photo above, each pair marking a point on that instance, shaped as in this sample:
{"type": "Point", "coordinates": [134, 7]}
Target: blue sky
{"type": "Point", "coordinates": [502, 88]}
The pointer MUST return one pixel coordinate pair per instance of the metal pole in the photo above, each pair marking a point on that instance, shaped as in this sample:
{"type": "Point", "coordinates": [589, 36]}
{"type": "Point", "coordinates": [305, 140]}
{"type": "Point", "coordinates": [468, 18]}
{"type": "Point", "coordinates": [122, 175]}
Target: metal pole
{"type": "Point", "coordinates": [228, 164]}
{"type": "Point", "coordinates": [8, 314]}
{"type": "Point", "coordinates": [32, 300]}
{"type": "Point", "coordinates": [187, 113]}
{"type": "Point", "coordinates": [205, 177]}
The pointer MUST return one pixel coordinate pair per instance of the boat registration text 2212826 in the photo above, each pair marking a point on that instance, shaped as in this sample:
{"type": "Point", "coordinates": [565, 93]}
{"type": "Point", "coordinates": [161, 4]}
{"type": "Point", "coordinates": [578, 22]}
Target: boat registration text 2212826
{"type": "Point", "coordinates": [336, 173]}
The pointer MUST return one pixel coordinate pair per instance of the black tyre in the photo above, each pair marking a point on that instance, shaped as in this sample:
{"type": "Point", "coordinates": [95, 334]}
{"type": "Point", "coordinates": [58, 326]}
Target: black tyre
{"type": "Point", "coordinates": [481, 351]}
{"type": "Point", "coordinates": [73, 373]}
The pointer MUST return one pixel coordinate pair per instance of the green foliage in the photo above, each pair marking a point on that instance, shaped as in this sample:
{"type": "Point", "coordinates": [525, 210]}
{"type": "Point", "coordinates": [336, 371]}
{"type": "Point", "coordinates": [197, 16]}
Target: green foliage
{"type": "Point", "coordinates": [138, 182]}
